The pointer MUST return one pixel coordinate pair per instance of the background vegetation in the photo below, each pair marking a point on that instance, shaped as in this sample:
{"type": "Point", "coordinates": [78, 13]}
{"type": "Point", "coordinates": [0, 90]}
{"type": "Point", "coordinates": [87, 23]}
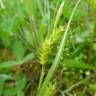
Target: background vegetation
{"type": "Point", "coordinates": [47, 47]}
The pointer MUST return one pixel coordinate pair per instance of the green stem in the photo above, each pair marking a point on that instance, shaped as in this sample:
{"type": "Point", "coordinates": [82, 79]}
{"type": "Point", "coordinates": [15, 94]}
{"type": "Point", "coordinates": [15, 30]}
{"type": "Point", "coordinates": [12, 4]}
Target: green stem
{"type": "Point", "coordinates": [34, 32]}
{"type": "Point", "coordinates": [77, 84]}
{"type": "Point", "coordinates": [41, 77]}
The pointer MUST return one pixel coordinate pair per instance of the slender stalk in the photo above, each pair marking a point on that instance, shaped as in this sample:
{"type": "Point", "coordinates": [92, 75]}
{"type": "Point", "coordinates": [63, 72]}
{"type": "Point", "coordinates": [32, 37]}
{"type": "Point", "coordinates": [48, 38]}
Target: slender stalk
{"type": "Point", "coordinates": [77, 84]}
{"type": "Point", "coordinates": [47, 15]}
{"type": "Point", "coordinates": [41, 77]}
{"type": "Point", "coordinates": [59, 54]}
{"type": "Point", "coordinates": [34, 32]}
{"type": "Point", "coordinates": [40, 8]}
{"type": "Point", "coordinates": [19, 36]}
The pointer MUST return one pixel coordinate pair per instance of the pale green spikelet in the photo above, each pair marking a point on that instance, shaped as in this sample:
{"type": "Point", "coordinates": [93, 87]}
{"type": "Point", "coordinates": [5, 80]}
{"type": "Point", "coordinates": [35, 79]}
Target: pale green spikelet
{"type": "Point", "coordinates": [56, 36]}
{"type": "Point", "coordinates": [49, 44]}
{"type": "Point", "coordinates": [45, 51]}
{"type": "Point", "coordinates": [50, 90]}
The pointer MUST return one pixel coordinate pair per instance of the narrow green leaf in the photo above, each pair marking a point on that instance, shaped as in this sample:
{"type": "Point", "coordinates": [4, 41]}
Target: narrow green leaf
{"type": "Point", "coordinates": [18, 49]}
{"type": "Point", "coordinates": [8, 64]}
{"type": "Point", "coordinates": [30, 7]}
{"type": "Point", "coordinates": [28, 57]}
{"type": "Point", "coordinates": [77, 64]}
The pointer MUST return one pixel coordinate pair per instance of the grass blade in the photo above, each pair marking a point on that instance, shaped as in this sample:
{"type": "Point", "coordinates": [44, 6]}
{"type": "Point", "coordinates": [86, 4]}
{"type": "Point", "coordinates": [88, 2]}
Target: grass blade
{"type": "Point", "coordinates": [77, 64]}
{"type": "Point", "coordinates": [8, 64]}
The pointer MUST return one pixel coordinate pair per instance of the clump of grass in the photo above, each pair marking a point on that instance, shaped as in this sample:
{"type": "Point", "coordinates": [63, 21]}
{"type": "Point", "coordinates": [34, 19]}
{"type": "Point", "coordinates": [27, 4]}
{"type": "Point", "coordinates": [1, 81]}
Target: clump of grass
{"type": "Point", "coordinates": [58, 55]}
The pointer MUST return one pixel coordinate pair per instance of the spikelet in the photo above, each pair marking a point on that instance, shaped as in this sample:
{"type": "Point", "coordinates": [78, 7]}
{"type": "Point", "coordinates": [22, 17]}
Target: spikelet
{"type": "Point", "coordinates": [45, 52]}
{"type": "Point", "coordinates": [56, 36]}
{"type": "Point", "coordinates": [50, 90]}
{"type": "Point", "coordinates": [49, 45]}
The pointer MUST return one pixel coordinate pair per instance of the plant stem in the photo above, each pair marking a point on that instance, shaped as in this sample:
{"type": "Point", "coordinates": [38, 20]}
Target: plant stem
{"type": "Point", "coordinates": [34, 32]}
{"type": "Point", "coordinates": [77, 84]}
{"type": "Point", "coordinates": [41, 77]}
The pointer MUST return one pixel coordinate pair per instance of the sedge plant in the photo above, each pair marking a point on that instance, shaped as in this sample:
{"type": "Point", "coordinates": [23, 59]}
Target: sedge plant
{"type": "Point", "coordinates": [58, 55]}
